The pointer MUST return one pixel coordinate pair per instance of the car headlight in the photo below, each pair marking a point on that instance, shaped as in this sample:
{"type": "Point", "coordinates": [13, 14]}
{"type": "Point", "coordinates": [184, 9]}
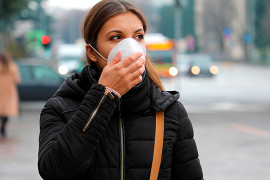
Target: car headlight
{"type": "Point", "coordinates": [63, 69]}
{"type": "Point", "coordinates": [173, 71]}
{"type": "Point", "coordinates": [214, 69]}
{"type": "Point", "coordinates": [195, 70]}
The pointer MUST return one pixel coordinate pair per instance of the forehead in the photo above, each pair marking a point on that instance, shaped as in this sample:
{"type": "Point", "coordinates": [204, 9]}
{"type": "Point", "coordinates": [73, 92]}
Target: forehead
{"type": "Point", "coordinates": [124, 22]}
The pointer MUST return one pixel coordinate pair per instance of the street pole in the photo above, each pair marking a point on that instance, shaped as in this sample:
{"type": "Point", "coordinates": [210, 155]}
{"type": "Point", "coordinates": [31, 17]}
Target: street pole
{"type": "Point", "coordinates": [39, 15]}
{"type": "Point", "coordinates": [251, 28]}
{"type": "Point", "coordinates": [177, 27]}
{"type": "Point", "coordinates": [177, 37]}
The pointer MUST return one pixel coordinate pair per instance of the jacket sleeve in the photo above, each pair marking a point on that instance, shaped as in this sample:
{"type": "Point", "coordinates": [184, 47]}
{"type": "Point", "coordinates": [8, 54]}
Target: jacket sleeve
{"type": "Point", "coordinates": [65, 150]}
{"type": "Point", "coordinates": [185, 161]}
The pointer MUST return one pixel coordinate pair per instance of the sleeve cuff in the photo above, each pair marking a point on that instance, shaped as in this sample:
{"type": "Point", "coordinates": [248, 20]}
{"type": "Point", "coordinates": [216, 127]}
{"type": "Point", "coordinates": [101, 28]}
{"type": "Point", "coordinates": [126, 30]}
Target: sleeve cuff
{"type": "Point", "coordinates": [114, 91]}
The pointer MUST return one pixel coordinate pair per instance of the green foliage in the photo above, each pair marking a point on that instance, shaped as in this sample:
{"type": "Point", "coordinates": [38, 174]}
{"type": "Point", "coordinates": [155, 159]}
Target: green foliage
{"type": "Point", "coordinates": [187, 18]}
{"type": "Point", "coordinates": [167, 21]}
{"type": "Point", "coordinates": [262, 24]}
{"type": "Point", "coordinates": [188, 26]}
{"type": "Point", "coordinates": [17, 49]}
{"type": "Point", "coordinates": [10, 7]}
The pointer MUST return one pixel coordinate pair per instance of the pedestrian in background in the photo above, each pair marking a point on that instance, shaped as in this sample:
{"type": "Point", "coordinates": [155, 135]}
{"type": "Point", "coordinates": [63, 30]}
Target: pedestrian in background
{"type": "Point", "coordinates": [101, 123]}
{"type": "Point", "coordinates": [9, 101]}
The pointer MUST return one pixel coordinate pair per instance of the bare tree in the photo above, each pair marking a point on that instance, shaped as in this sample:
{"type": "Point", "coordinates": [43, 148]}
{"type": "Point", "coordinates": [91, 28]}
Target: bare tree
{"type": "Point", "coordinates": [216, 16]}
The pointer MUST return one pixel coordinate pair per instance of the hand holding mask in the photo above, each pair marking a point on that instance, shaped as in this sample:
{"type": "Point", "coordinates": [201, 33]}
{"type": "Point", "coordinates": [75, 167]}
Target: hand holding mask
{"type": "Point", "coordinates": [123, 75]}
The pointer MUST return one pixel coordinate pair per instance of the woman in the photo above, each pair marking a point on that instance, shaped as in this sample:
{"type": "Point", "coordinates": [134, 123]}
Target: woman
{"type": "Point", "coordinates": [9, 78]}
{"type": "Point", "coordinates": [100, 124]}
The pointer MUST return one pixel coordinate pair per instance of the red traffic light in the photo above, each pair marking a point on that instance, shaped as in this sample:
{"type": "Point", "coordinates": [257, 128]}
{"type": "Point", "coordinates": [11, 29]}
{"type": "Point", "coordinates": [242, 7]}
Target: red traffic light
{"type": "Point", "coordinates": [45, 39]}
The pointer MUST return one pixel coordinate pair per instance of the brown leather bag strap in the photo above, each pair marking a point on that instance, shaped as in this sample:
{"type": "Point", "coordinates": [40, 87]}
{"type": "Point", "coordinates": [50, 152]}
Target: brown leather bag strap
{"type": "Point", "coordinates": [159, 134]}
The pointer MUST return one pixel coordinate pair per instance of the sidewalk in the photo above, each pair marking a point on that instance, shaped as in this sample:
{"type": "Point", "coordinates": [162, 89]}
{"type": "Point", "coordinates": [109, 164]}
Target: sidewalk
{"type": "Point", "coordinates": [19, 150]}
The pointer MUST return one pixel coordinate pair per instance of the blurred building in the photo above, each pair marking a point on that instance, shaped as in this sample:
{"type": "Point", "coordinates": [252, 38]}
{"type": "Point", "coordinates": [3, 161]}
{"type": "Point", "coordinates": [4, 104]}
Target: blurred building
{"type": "Point", "coordinates": [150, 9]}
{"type": "Point", "coordinates": [68, 25]}
{"type": "Point", "coordinates": [220, 27]}
{"type": "Point", "coordinates": [68, 22]}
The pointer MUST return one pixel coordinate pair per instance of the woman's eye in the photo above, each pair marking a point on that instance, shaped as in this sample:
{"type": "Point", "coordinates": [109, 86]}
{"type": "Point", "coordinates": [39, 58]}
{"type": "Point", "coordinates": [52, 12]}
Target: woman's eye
{"type": "Point", "coordinates": [115, 37]}
{"type": "Point", "coordinates": [139, 37]}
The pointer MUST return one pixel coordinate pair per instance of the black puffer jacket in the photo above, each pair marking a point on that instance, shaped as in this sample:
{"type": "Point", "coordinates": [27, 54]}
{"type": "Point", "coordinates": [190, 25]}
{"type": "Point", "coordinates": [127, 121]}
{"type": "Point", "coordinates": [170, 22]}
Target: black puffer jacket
{"type": "Point", "coordinates": [86, 134]}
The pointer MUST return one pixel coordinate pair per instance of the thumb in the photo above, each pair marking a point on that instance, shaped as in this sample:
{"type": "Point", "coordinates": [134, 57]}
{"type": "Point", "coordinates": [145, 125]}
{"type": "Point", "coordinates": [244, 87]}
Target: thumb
{"type": "Point", "coordinates": [116, 59]}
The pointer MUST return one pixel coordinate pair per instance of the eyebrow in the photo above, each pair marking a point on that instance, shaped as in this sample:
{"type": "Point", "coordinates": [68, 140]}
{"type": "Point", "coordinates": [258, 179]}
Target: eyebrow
{"type": "Point", "coordinates": [139, 30]}
{"type": "Point", "coordinates": [118, 31]}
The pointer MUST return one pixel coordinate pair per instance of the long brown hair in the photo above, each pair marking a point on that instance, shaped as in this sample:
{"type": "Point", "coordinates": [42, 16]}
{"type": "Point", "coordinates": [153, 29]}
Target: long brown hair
{"type": "Point", "coordinates": [5, 63]}
{"type": "Point", "coordinates": [100, 13]}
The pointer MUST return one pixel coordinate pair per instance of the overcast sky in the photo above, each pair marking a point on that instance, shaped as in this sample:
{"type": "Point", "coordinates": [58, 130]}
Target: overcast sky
{"type": "Point", "coordinates": [72, 4]}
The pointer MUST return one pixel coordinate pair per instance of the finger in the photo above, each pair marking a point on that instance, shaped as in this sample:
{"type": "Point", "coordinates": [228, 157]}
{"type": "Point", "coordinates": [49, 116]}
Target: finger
{"type": "Point", "coordinates": [136, 65]}
{"type": "Point", "coordinates": [136, 81]}
{"type": "Point", "coordinates": [127, 61]}
{"type": "Point", "coordinates": [115, 60]}
{"type": "Point", "coordinates": [137, 73]}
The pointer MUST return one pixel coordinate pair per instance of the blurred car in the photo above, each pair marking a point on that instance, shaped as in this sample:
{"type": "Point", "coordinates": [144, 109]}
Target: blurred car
{"type": "Point", "coordinates": [38, 82]}
{"type": "Point", "coordinates": [202, 65]}
{"type": "Point", "coordinates": [67, 58]}
{"type": "Point", "coordinates": [183, 63]}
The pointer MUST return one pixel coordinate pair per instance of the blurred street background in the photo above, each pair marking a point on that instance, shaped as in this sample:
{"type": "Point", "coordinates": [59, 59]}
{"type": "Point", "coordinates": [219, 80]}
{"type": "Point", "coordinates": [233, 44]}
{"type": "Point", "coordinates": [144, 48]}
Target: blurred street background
{"type": "Point", "coordinates": [215, 53]}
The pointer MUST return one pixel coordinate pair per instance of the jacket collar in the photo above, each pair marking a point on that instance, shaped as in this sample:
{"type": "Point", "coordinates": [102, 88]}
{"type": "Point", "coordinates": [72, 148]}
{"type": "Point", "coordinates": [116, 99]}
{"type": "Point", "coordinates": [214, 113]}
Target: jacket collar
{"type": "Point", "coordinates": [162, 99]}
{"type": "Point", "coordinates": [137, 100]}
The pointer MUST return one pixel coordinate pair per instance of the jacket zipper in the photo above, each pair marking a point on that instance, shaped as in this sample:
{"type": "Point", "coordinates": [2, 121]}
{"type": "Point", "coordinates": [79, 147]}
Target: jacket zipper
{"type": "Point", "coordinates": [106, 93]}
{"type": "Point", "coordinates": [122, 143]}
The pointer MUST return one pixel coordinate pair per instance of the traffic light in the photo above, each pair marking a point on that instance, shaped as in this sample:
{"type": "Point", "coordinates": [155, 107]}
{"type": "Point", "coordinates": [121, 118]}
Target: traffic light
{"type": "Point", "coordinates": [45, 40]}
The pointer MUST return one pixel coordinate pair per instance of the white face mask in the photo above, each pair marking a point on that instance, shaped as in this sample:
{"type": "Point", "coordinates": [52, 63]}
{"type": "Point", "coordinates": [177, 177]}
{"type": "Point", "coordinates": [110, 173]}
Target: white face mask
{"type": "Point", "coordinates": [127, 47]}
